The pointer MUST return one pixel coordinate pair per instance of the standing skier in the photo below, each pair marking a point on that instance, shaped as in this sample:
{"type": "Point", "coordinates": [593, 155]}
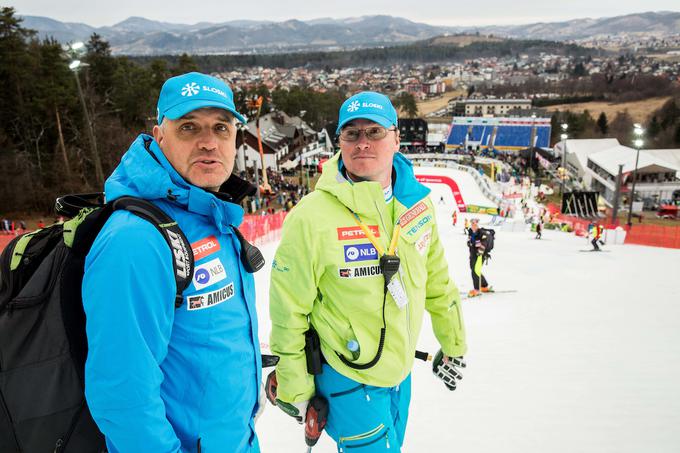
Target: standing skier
{"type": "Point", "coordinates": [480, 243]}
{"type": "Point", "coordinates": [596, 232]}
{"type": "Point", "coordinates": [539, 228]}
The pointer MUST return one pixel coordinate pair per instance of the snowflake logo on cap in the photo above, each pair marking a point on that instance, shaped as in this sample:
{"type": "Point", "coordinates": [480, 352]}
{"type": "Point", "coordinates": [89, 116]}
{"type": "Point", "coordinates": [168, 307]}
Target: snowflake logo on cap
{"type": "Point", "coordinates": [190, 89]}
{"type": "Point", "coordinates": [353, 106]}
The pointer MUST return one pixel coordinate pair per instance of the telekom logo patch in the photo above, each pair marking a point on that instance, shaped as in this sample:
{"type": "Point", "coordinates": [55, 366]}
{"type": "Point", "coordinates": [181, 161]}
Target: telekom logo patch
{"type": "Point", "coordinates": [355, 232]}
{"type": "Point", "coordinates": [205, 247]}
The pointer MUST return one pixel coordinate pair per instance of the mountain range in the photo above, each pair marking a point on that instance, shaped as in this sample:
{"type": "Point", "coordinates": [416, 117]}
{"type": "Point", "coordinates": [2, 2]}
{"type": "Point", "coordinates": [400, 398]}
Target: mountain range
{"type": "Point", "coordinates": [141, 36]}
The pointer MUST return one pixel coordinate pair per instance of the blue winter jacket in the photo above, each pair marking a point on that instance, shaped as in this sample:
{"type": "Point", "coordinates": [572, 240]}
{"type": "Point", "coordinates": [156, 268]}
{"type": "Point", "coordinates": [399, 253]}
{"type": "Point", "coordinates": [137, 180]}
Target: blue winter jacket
{"type": "Point", "coordinates": [160, 379]}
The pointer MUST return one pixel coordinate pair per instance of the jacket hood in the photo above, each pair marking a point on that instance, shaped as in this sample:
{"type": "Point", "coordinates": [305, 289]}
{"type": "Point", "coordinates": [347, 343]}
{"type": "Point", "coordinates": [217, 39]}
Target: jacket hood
{"type": "Point", "coordinates": [405, 188]}
{"type": "Point", "coordinates": [145, 172]}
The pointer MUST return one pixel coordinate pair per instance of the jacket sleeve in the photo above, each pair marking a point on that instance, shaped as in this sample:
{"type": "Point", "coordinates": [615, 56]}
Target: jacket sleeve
{"type": "Point", "coordinates": [292, 292]}
{"type": "Point", "coordinates": [128, 293]}
{"type": "Point", "coordinates": [442, 301]}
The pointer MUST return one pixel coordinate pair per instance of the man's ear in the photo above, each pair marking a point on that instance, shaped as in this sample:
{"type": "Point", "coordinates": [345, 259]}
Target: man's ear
{"type": "Point", "coordinates": [157, 134]}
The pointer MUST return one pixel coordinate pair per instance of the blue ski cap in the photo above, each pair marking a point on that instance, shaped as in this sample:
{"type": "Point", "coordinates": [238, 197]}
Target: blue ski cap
{"type": "Point", "coordinates": [368, 105]}
{"type": "Point", "coordinates": [192, 91]}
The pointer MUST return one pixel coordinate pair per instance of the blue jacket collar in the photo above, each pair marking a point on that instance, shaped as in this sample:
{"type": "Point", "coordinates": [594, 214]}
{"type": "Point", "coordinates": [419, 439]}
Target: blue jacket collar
{"type": "Point", "coordinates": [145, 172]}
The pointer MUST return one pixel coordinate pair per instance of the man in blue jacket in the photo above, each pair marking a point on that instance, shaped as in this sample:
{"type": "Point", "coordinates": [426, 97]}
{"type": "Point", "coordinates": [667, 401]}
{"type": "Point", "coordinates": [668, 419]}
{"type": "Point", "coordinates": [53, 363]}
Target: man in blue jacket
{"type": "Point", "coordinates": [160, 379]}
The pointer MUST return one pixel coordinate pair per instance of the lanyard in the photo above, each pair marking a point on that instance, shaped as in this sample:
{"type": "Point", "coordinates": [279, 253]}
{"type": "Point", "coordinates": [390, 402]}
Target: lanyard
{"type": "Point", "coordinates": [371, 237]}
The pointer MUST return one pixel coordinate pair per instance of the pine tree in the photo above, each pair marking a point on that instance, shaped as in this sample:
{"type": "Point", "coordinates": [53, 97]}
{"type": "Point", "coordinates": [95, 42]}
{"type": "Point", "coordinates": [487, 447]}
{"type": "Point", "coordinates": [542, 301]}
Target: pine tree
{"type": "Point", "coordinates": [603, 123]}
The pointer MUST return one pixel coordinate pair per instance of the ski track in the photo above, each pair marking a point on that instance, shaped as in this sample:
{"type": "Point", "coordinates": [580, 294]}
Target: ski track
{"type": "Point", "coordinates": [584, 357]}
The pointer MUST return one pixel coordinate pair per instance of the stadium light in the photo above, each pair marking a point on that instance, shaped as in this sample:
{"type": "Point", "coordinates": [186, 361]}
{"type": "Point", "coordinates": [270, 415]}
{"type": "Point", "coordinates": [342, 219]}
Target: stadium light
{"type": "Point", "coordinates": [563, 137]}
{"type": "Point", "coordinates": [638, 131]}
{"type": "Point", "coordinates": [73, 51]}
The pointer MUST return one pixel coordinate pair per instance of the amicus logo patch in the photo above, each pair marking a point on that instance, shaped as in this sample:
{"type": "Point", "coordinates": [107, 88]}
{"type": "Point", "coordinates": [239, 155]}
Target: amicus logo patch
{"type": "Point", "coordinates": [355, 232]}
{"type": "Point", "coordinates": [211, 298]}
{"type": "Point", "coordinates": [205, 247]}
{"type": "Point", "coordinates": [360, 252]}
{"type": "Point", "coordinates": [359, 271]}
{"type": "Point", "coordinates": [209, 273]}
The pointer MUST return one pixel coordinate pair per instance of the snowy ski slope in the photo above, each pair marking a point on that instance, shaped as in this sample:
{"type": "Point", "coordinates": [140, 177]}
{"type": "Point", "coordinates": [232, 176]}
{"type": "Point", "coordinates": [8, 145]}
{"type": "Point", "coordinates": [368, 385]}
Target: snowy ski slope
{"type": "Point", "coordinates": [585, 357]}
{"type": "Point", "coordinates": [469, 189]}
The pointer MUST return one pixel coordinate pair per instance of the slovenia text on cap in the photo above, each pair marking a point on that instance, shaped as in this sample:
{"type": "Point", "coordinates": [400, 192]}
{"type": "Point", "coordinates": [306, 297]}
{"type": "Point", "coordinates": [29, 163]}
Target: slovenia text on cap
{"type": "Point", "coordinates": [368, 105]}
{"type": "Point", "coordinates": [192, 91]}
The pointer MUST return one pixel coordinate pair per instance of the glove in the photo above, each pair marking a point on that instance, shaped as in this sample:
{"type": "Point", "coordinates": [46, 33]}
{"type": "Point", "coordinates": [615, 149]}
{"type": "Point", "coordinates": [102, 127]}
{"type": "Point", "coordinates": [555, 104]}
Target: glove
{"type": "Point", "coordinates": [296, 410]}
{"type": "Point", "coordinates": [448, 369]}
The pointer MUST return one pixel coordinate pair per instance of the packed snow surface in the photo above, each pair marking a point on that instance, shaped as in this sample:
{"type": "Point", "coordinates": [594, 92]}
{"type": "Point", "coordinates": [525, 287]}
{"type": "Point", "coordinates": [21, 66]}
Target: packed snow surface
{"type": "Point", "coordinates": [584, 357]}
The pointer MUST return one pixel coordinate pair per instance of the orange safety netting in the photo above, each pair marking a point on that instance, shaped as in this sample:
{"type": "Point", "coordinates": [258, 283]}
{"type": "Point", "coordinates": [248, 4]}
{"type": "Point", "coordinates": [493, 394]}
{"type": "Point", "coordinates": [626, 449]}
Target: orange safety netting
{"type": "Point", "coordinates": [654, 235]}
{"type": "Point", "coordinates": [260, 229]}
{"type": "Point", "coordinates": [579, 225]}
{"type": "Point", "coordinates": [4, 240]}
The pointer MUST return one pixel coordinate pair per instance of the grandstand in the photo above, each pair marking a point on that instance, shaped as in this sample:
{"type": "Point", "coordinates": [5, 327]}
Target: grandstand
{"type": "Point", "coordinates": [498, 134]}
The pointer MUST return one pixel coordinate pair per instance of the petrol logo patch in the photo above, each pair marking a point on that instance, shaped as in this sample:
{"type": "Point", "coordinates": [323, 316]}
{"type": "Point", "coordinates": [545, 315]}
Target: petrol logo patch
{"type": "Point", "coordinates": [355, 232]}
{"type": "Point", "coordinates": [423, 242]}
{"type": "Point", "coordinates": [360, 252]}
{"type": "Point", "coordinates": [421, 223]}
{"type": "Point", "coordinates": [209, 273]}
{"type": "Point", "coordinates": [211, 298]}
{"type": "Point", "coordinates": [205, 247]}
{"type": "Point", "coordinates": [412, 213]}
{"type": "Point", "coordinates": [359, 272]}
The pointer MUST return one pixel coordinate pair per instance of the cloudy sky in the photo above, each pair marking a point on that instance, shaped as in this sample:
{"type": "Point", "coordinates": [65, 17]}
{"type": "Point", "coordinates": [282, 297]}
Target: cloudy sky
{"type": "Point", "coordinates": [437, 12]}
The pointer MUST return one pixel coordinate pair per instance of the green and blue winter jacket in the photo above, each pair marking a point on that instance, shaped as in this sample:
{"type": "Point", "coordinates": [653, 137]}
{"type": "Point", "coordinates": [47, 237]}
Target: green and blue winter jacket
{"type": "Point", "coordinates": [326, 273]}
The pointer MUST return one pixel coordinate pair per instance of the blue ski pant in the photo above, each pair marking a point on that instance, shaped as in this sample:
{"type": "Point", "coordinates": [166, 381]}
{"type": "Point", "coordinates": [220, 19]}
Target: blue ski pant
{"type": "Point", "coordinates": [363, 418]}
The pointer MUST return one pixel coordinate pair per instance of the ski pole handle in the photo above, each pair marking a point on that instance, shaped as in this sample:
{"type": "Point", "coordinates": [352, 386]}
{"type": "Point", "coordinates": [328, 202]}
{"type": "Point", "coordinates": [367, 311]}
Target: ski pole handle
{"type": "Point", "coordinates": [424, 356]}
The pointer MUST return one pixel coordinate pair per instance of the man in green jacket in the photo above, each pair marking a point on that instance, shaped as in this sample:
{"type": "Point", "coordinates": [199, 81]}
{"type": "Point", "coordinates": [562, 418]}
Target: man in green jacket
{"type": "Point", "coordinates": [359, 262]}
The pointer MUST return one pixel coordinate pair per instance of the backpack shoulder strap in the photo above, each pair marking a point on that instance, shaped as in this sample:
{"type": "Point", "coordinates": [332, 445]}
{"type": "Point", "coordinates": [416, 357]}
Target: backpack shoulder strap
{"type": "Point", "coordinates": [183, 258]}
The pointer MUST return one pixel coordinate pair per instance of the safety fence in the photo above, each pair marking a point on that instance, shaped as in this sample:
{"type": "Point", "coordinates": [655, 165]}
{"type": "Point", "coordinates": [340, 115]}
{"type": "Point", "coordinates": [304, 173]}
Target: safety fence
{"type": "Point", "coordinates": [258, 229]}
{"type": "Point", "coordinates": [579, 226]}
{"type": "Point", "coordinates": [4, 240]}
{"type": "Point", "coordinates": [654, 235]}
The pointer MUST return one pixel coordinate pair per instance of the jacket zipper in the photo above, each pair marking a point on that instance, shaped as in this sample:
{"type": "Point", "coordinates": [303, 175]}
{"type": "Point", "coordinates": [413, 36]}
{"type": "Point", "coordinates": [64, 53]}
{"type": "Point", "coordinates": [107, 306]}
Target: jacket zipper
{"type": "Point", "coordinates": [401, 280]}
{"type": "Point", "coordinates": [347, 392]}
{"type": "Point", "coordinates": [359, 437]}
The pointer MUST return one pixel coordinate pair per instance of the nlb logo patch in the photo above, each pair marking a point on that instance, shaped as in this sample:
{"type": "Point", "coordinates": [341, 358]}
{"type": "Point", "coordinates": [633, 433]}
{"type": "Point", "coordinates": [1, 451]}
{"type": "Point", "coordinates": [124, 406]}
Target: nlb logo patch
{"type": "Point", "coordinates": [412, 213]}
{"type": "Point", "coordinates": [353, 106]}
{"type": "Point", "coordinates": [205, 247]}
{"type": "Point", "coordinates": [209, 273]}
{"type": "Point", "coordinates": [360, 252]}
{"type": "Point", "coordinates": [190, 89]}
{"type": "Point", "coordinates": [355, 232]}
{"type": "Point", "coordinates": [359, 272]}
{"type": "Point", "coordinates": [211, 298]}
